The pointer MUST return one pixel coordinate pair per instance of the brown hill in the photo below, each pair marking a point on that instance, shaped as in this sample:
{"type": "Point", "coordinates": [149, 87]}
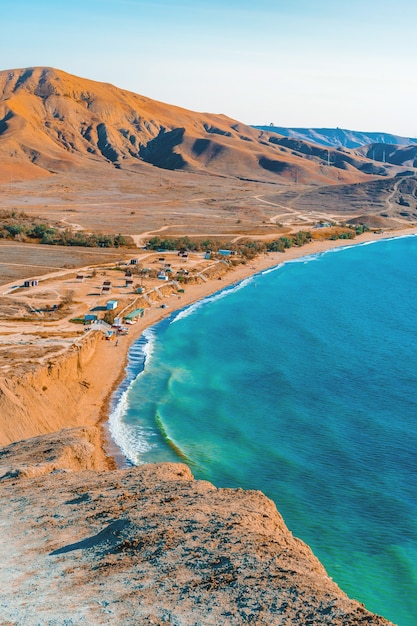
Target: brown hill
{"type": "Point", "coordinates": [379, 202]}
{"type": "Point", "coordinates": [51, 121]}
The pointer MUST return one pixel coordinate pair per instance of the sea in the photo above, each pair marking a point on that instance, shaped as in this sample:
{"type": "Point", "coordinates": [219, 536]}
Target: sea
{"type": "Point", "coordinates": [301, 382]}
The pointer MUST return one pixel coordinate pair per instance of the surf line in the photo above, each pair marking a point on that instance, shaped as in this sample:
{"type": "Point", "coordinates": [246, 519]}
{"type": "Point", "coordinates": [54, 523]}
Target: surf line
{"type": "Point", "coordinates": [169, 441]}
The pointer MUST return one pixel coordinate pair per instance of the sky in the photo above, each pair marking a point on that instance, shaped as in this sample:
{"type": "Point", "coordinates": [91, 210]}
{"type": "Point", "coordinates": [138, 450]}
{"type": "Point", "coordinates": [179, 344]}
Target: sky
{"type": "Point", "coordinates": [297, 63]}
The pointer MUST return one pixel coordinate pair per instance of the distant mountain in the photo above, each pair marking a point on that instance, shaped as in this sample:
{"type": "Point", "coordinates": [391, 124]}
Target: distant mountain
{"type": "Point", "coordinates": [396, 154]}
{"type": "Point", "coordinates": [51, 121]}
{"type": "Point", "coordinates": [338, 137]}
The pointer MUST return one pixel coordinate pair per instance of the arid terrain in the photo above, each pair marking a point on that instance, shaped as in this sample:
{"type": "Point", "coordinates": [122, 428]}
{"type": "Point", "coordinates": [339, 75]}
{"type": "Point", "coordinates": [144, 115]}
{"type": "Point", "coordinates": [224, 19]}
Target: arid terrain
{"type": "Point", "coordinates": [147, 545]}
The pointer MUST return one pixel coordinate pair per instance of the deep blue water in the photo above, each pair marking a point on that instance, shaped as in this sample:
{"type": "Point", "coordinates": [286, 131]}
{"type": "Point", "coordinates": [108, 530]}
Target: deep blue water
{"type": "Point", "coordinates": [300, 382]}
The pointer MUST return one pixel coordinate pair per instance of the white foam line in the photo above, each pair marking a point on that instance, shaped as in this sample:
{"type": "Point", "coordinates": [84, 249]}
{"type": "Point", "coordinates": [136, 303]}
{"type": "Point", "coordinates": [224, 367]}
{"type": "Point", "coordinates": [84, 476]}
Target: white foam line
{"type": "Point", "coordinates": [213, 298]}
{"type": "Point", "coordinates": [133, 440]}
{"type": "Point", "coordinates": [130, 439]}
{"type": "Point", "coordinates": [147, 350]}
{"type": "Point", "coordinates": [317, 255]}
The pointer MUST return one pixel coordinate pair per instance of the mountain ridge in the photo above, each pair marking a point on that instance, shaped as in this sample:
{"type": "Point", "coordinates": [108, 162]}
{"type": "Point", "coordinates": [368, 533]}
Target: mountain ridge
{"type": "Point", "coordinates": [338, 137]}
{"type": "Point", "coordinates": [51, 120]}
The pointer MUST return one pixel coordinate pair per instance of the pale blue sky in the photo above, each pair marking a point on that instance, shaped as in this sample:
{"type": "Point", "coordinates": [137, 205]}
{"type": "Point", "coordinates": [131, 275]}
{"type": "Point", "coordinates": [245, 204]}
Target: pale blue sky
{"type": "Point", "coordinates": [346, 63]}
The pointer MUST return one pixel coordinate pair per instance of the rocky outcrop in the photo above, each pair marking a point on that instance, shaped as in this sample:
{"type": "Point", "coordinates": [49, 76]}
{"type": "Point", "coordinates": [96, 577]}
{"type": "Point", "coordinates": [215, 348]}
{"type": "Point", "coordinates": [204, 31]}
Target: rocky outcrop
{"type": "Point", "coordinates": [149, 545]}
{"type": "Point", "coordinates": [73, 449]}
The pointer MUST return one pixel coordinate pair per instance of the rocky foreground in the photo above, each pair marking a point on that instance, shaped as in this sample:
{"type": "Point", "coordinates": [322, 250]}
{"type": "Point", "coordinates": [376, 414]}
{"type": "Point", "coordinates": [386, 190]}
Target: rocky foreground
{"type": "Point", "coordinates": [148, 545]}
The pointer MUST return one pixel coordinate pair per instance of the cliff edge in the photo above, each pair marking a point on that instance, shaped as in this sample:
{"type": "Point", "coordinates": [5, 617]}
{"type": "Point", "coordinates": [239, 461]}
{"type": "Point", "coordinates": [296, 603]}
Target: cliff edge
{"type": "Point", "coordinates": [148, 545]}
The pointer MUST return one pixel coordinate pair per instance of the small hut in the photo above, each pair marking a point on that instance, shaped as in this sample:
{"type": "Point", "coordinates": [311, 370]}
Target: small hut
{"type": "Point", "coordinates": [134, 314]}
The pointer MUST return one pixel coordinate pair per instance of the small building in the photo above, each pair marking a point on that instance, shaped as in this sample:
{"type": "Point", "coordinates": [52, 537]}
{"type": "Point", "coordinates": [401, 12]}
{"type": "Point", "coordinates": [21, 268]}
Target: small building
{"type": "Point", "coordinates": [129, 282]}
{"type": "Point", "coordinates": [30, 283]}
{"type": "Point", "coordinates": [79, 278]}
{"type": "Point", "coordinates": [134, 261]}
{"type": "Point", "coordinates": [225, 252]}
{"type": "Point", "coordinates": [90, 317]}
{"type": "Point", "coordinates": [162, 276]}
{"type": "Point", "coordinates": [111, 305]}
{"type": "Point", "coordinates": [106, 287]}
{"type": "Point", "coordinates": [134, 314]}
{"type": "Point", "coordinates": [207, 254]}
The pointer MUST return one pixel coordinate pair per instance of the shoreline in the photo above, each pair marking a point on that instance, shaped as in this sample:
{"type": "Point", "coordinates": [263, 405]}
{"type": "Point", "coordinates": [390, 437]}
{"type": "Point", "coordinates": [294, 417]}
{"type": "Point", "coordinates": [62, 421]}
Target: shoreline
{"type": "Point", "coordinates": [100, 367]}
{"type": "Point", "coordinates": [197, 292]}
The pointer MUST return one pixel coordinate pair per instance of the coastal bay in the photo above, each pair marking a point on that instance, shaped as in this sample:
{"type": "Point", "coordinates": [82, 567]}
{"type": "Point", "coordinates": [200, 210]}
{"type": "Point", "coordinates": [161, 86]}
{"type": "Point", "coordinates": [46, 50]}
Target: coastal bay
{"type": "Point", "coordinates": [300, 395]}
{"type": "Point", "coordinates": [103, 369]}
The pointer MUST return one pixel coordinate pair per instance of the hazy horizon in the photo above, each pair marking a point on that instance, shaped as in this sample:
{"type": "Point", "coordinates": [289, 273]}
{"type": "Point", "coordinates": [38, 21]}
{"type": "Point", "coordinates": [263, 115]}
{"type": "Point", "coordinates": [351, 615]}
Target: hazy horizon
{"type": "Point", "coordinates": [295, 64]}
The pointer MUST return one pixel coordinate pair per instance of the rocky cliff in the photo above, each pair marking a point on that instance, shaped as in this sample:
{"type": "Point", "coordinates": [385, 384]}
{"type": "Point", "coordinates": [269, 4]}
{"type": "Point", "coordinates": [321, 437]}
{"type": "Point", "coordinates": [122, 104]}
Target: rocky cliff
{"type": "Point", "coordinates": [43, 398]}
{"type": "Point", "coordinates": [148, 545]}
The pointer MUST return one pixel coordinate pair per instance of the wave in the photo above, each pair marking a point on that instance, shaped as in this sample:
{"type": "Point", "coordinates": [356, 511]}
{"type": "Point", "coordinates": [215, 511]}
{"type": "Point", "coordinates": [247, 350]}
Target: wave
{"type": "Point", "coordinates": [190, 310]}
{"type": "Point", "coordinates": [168, 439]}
{"type": "Point", "coordinates": [131, 440]}
{"type": "Point", "coordinates": [149, 336]}
{"type": "Point", "coordinates": [367, 243]}
{"type": "Point", "coordinates": [317, 255]}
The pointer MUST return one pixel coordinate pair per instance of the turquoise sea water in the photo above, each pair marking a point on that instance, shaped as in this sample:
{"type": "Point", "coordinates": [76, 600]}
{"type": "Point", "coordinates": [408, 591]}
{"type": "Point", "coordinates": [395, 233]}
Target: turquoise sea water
{"type": "Point", "coordinates": [300, 382]}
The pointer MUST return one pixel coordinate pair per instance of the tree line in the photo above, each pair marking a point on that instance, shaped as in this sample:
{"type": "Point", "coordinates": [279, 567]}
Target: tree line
{"type": "Point", "coordinates": [20, 227]}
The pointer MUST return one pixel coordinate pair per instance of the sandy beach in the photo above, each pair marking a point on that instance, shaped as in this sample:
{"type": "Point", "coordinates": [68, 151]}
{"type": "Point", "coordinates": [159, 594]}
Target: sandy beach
{"type": "Point", "coordinates": [115, 366]}
{"type": "Point", "coordinates": [73, 385]}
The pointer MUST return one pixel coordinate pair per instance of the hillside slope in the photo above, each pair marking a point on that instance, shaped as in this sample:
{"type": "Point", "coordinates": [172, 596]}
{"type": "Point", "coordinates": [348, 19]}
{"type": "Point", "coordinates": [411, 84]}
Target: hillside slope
{"type": "Point", "coordinates": [51, 121]}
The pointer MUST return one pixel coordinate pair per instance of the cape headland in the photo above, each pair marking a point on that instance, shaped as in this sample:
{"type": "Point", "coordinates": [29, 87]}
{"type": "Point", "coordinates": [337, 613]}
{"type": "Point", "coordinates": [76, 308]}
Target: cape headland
{"type": "Point", "coordinates": [91, 175]}
{"type": "Point", "coordinates": [142, 545]}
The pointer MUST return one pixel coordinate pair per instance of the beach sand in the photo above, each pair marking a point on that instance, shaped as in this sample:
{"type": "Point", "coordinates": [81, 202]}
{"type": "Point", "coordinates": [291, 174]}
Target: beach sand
{"type": "Point", "coordinates": [74, 388]}
{"type": "Point", "coordinates": [115, 367]}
